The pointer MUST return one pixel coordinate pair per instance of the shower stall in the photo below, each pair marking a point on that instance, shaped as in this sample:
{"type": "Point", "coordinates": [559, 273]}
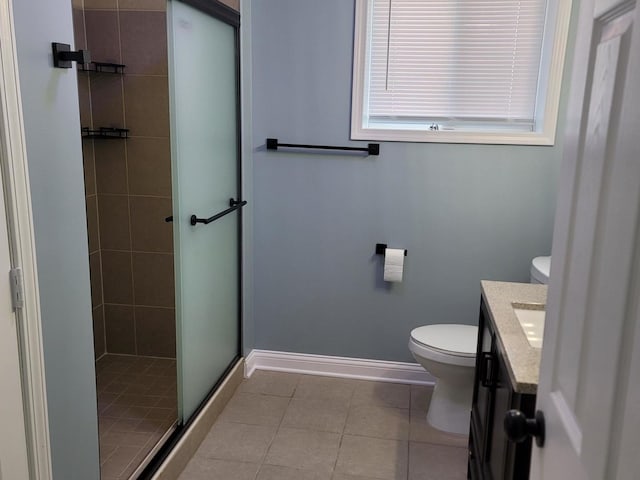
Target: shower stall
{"type": "Point", "coordinates": [159, 107]}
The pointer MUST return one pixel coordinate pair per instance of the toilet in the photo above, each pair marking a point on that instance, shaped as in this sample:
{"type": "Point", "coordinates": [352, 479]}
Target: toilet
{"type": "Point", "coordinates": [540, 268]}
{"type": "Point", "coordinates": [448, 352]}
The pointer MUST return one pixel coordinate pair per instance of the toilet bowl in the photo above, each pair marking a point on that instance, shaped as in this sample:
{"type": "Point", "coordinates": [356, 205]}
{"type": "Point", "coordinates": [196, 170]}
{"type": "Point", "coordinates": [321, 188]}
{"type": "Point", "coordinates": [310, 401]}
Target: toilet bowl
{"type": "Point", "coordinates": [448, 352]}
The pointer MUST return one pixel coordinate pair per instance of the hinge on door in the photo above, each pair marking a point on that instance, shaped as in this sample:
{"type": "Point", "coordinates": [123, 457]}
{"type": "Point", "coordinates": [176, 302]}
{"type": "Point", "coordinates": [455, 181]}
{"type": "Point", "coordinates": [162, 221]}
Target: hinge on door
{"type": "Point", "coordinates": [17, 288]}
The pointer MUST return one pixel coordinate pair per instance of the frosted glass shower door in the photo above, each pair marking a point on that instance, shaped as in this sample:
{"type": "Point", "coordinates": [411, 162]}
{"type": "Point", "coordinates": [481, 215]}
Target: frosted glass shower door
{"type": "Point", "coordinates": [205, 164]}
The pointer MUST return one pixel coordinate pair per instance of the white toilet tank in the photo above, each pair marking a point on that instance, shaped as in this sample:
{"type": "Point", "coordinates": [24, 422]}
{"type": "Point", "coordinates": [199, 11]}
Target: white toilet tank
{"type": "Point", "coordinates": [540, 267]}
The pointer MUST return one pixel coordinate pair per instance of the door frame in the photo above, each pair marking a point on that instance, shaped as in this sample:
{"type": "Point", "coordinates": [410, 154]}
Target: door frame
{"type": "Point", "coordinates": [15, 180]}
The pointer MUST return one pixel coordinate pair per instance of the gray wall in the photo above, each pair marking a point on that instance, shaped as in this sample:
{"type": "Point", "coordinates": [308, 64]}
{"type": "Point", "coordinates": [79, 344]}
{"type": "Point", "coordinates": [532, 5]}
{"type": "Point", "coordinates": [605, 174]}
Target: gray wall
{"type": "Point", "coordinates": [464, 212]}
{"type": "Point", "coordinates": [50, 103]}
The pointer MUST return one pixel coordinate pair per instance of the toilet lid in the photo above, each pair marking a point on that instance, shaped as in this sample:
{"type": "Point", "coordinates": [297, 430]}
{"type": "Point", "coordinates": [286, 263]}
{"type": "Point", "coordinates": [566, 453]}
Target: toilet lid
{"type": "Point", "coordinates": [460, 340]}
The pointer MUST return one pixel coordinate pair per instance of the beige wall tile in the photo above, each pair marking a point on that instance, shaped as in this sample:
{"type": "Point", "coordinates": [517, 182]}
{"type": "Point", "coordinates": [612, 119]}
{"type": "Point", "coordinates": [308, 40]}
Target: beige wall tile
{"type": "Point", "coordinates": [234, 4]}
{"type": "Point", "coordinates": [103, 39]}
{"type": "Point", "coordinates": [96, 279]}
{"type": "Point", "coordinates": [92, 223]}
{"type": "Point", "coordinates": [155, 5]}
{"type": "Point", "coordinates": [149, 164]}
{"type": "Point", "coordinates": [147, 105]}
{"type": "Point", "coordinates": [84, 99]}
{"type": "Point", "coordinates": [106, 101]}
{"type": "Point", "coordinates": [153, 279]}
{"type": "Point", "coordinates": [80, 40]}
{"type": "Point", "coordinates": [98, 331]}
{"type": "Point", "coordinates": [149, 230]}
{"type": "Point", "coordinates": [156, 331]}
{"type": "Point", "coordinates": [89, 167]}
{"type": "Point", "coordinates": [116, 273]}
{"type": "Point", "coordinates": [119, 328]}
{"type": "Point", "coordinates": [144, 42]}
{"type": "Point", "coordinates": [114, 222]}
{"type": "Point", "coordinates": [100, 4]}
{"type": "Point", "coordinates": [111, 166]}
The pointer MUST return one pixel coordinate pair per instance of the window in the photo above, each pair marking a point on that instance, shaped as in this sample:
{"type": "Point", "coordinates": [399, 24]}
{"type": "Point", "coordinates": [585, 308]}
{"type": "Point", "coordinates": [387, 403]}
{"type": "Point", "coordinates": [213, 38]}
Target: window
{"type": "Point", "coordinates": [459, 71]}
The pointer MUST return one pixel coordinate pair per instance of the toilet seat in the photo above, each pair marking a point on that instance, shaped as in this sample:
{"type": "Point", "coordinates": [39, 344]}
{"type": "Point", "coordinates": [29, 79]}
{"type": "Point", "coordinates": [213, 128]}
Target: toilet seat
{"type": "Point", "coordinates": [446, 343]}
{"type": "Point", "coordinates": [540, 268]}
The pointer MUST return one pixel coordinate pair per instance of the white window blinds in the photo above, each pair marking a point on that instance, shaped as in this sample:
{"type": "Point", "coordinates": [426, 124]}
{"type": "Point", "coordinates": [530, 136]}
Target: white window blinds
{"type": "Point", "coordinates": [455, 62]}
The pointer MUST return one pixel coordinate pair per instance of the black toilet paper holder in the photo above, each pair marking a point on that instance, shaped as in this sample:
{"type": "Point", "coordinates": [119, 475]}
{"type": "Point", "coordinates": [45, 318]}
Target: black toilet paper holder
{"type": "Point", "coordinates": [381, 247]}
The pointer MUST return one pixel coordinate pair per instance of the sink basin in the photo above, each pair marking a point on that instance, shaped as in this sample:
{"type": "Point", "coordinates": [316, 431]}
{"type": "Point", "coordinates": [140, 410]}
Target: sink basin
{"type": "Point", "coordinates": [531, 319]}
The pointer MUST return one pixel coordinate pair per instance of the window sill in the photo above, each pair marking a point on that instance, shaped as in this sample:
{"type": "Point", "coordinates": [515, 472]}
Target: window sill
{"type": "Point", "coordinates": [442, 136]}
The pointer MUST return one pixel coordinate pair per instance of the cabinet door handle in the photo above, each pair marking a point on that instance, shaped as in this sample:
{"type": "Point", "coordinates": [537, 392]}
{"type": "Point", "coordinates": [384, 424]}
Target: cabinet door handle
{"type": "Point", "coordinates": [487, 369]}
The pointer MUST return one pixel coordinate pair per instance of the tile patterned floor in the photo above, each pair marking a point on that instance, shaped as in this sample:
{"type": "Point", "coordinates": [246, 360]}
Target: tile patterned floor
{"type": "Point", "coordinates": [281, 426]}
{"type": "Point", "coordinates": [136, 406]}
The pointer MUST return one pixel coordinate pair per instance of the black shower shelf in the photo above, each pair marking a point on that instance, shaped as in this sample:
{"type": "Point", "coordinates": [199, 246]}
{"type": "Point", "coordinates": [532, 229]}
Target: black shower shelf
{"type": "Point", "coordinates": [101, 67]}
{"type": "Point", "coordinates": [106, 133]}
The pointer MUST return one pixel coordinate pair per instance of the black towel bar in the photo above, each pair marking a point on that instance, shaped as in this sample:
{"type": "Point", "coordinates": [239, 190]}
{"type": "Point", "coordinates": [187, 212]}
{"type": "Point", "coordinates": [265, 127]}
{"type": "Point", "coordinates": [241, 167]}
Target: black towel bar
{"type": "Point", "coordinates": [370, 149]}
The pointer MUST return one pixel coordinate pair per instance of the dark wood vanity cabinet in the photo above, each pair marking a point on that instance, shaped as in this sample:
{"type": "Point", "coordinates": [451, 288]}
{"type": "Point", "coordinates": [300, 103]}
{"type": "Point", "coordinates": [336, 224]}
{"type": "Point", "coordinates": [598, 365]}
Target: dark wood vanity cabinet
{"type": "Point", "coordinates": [491, 455]}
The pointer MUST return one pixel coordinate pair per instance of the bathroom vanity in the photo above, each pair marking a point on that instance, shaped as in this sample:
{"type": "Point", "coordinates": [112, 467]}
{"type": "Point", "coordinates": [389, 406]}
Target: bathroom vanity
{"type": "Point", "coordinates": [506, 377]}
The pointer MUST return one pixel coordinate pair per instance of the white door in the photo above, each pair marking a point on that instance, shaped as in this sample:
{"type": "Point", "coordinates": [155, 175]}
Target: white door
{"type": "Point", "coordinates": [589, 390]}
{"type": "Point", "coordinates": [13, 442]}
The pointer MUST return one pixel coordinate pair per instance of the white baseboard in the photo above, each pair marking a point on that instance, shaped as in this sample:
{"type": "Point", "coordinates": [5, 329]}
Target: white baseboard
{"type": "Point", "coordinates": [344, 367]}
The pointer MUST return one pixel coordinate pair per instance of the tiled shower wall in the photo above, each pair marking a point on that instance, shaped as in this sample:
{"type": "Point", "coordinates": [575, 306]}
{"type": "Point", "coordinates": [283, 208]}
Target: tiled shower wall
{"type": "Point", "coordinates": [128, 182]}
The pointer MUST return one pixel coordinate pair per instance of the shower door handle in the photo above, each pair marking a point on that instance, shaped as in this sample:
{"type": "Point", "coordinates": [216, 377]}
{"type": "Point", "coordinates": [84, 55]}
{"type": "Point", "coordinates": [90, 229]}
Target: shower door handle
{"type": "Point", "coordinates": [233, 206]}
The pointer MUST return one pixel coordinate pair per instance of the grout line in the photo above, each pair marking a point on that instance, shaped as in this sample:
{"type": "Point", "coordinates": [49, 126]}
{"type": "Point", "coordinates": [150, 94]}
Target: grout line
{"type": "Point", "coordinates": [107, 194]}
{"type": "Point", "coordinates": [135, 251]}
{"type": "Point", "coordinates": [278, 428]}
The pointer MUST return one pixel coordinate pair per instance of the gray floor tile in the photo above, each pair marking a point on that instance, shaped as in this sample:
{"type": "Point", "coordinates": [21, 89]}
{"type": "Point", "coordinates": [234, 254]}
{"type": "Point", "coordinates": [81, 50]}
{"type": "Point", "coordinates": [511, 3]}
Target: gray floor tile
{"type": "Point", "coordinates": [421, 431]}
{"type": "Point", "coordinates": [255, 409]}
{"type": "Point", "coordinates": [237, 441]}
{"type": "Point", "coordinates": [342, 476]}
{"type": "Point", "coordinates": [382, 394]}
{"type": "Point", "coordinates": [316, 414]}
{"type": "Point", "coordinates": [437, 462]}
{"type": "Point", "coordinates": [420, 397]}
{"type": "Point", "coordinates": [270, 383]}
{"type": "Point", "coordinates": [313, 386]}
{"type": "Point", "coordinates": [208, 469]}
{"type": "Point", "coordinates": [304, 449]}
{"type": "Point", "coordinates": [379, 422]}
{"type": "Point", "coordinates": [276, 472]}
{"type": "Point", "coordinates": [373, 457]}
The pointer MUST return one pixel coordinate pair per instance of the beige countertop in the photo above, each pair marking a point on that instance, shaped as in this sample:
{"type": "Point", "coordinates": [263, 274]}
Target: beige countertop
{"type": "Point", "coordinates": [523, 360]}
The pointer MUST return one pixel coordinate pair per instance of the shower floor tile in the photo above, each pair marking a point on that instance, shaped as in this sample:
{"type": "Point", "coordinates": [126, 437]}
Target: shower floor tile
{"type": "Point", "coordinates": [320, 428]}
{"type": "Point", "coordinates": [137, 406]}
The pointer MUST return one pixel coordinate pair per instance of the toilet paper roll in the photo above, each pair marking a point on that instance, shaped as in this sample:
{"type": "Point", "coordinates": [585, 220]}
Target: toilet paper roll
{"type": "Point", "coordinates": [393, 264]}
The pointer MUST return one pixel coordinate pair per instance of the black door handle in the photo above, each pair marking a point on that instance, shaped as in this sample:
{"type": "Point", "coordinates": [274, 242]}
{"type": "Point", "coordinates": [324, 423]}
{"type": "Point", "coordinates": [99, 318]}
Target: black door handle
{"type": "Point", "coordinates": [518, 427]}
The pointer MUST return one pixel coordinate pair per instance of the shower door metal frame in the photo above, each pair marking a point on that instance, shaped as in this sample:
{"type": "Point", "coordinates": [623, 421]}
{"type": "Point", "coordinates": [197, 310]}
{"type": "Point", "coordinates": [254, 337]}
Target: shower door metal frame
{"type": "Point", "coordinates": [221, 12]}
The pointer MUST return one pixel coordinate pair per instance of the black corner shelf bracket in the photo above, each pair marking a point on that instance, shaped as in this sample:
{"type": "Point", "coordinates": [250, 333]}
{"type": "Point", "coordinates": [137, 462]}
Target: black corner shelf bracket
{"type": "Point", "coordinates": [370, 149]}
{"type": "Point", "coordinates": [63, 56]}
